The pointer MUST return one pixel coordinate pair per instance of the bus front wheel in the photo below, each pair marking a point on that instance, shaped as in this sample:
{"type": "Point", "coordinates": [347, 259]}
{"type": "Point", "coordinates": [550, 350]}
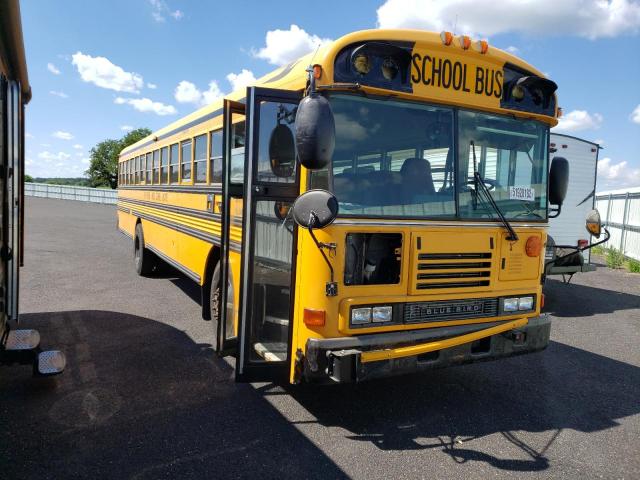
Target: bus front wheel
{"type": "Point", "coordinates": [144, 258]}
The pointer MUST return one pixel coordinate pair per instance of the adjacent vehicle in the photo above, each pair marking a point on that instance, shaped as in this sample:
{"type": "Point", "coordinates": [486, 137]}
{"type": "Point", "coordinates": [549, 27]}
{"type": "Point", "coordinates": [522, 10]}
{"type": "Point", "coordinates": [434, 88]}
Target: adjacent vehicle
{"type": "Point", "coordinates": [566, 233]}
{"type": "Point", "coordinates": [377, 207]}
{"type": "Point", "coordinates": [16, 346]}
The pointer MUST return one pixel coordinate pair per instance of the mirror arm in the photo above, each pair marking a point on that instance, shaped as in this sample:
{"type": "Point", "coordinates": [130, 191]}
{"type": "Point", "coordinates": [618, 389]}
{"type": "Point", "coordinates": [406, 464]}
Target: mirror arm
{"type": "Point", "coordinates": [331, 287]}
{"type": "Point", "coordinates": [580, 249]}
{"type": "Point", "coordinates": [555, 212]}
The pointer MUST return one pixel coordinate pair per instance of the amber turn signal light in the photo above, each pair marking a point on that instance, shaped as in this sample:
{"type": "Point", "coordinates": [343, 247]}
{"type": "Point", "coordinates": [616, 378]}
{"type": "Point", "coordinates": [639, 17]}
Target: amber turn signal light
{"type": "Point", "coordinates": [314, 318]}
{"type": "Point", "coordinates": [533, 246]}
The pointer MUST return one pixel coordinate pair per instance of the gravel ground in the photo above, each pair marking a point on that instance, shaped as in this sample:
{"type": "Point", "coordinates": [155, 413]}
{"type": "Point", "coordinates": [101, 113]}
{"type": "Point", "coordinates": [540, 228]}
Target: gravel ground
{"type": "Point", "coordinates": [143, 395]}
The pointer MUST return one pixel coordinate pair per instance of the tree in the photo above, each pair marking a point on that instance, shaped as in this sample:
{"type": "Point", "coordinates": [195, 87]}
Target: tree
{"type": "Point", "coordinates": [28, 178]}
{"type": "Point", "coordinates": [103, 166]}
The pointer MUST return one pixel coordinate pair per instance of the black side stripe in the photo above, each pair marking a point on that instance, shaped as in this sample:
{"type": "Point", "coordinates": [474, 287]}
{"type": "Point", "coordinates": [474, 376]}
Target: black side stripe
{"type": "Point", "coordinates": [209, 238]}
{"type": "Point", "coordinates": [175, 188]}
{"type": "Point", "coordinates": [192, 212]}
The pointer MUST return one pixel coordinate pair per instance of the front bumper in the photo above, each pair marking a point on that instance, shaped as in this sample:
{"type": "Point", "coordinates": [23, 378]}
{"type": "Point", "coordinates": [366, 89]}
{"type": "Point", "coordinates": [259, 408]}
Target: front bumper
{"type": "Point", "coordinates": [355, 359]}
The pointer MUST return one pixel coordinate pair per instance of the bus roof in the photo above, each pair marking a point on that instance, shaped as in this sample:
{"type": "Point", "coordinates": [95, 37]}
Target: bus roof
{"type": "Point", "coordinates": [293, 77]}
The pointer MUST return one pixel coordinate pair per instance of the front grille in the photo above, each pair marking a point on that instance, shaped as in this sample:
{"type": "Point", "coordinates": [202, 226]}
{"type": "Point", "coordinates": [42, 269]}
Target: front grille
{"type": "Point", "coordinates": [450, 310]}
{"type": "Point", "coordinates": [453, 270]}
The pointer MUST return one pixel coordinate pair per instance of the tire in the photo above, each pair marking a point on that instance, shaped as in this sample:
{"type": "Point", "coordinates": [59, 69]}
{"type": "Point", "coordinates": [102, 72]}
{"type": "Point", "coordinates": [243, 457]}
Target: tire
{"type": "Point", "coordinates": [145, 260]}
{"type": "Point", "coordinates": [214, 296]}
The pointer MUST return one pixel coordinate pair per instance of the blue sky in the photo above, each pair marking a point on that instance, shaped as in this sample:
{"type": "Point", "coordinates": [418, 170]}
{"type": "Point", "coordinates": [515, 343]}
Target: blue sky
{"type": "Point", "coordinates": [98, 68]}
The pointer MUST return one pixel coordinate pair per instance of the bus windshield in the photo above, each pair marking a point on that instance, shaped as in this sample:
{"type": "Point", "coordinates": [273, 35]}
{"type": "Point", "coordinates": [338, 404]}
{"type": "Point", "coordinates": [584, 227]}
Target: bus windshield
{"type": "Point", "coordinates": [396, 159]}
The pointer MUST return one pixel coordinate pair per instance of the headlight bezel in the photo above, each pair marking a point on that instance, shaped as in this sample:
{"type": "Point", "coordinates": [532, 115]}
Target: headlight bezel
{"type": "Point", "coordinates": [386, 315]}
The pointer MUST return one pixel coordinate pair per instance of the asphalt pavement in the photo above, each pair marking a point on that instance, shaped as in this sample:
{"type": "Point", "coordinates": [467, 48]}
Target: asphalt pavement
{"type": "Point", "coordinates": [144, 396]}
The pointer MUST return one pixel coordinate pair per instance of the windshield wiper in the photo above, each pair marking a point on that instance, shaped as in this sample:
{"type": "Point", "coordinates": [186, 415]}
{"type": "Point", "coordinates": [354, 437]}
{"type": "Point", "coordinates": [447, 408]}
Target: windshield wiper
{"type": "Point", "coordinates": [479, 182]}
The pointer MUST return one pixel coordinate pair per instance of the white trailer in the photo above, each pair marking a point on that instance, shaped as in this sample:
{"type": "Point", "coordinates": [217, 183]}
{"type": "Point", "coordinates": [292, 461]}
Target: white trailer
{"type": "Point", "coordinates": [568, 229]}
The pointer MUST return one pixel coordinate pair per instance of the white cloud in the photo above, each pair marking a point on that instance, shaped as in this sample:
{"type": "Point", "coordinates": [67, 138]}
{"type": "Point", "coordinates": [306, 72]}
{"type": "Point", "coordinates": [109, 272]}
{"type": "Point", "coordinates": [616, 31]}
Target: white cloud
{"type": "Point", "coordinates": [58, 94]}
{"type": "Point", "coordinates": [577, 120]}
{"type": "Point", "coordinates": [45, 145]}
{"type": "Point", "coordinates": [284, 46]}
{"type": "Point", "coordinates": [159, 10]}
{"type": "Point", "coordinates": [147, 105]}
{"type": "Point", "coordinates": [77, 146]}
{"type": "Point", "coordinates": [599, 141]}
{"type": "Point", "coordinates": [53, 69]}
{"type": "Point", "coordinates": [187, 92]}
{"type": "Point", "coordinates": [126, 128]}
{"type": "Point", "coordinates": [582, 18]}
{"type": "Point", "coordinates": [635, 115]}
{"type": "Point", "coordinates": [29, 135]}
{"type": "Point", "coordinates": [48, 156]}
{"type": "Point", "coordinates": [102, 72]}
{"type": "Point", "coordinates": [241, 80]}
{"type": "Point", "coordinates": [62, 135]}
{"type": "Point", "coordinates": [616, 175]}
{"type": "Point", "coordinates": [152, 86]}
{"type": "Point", "coordinates": [512, 49]}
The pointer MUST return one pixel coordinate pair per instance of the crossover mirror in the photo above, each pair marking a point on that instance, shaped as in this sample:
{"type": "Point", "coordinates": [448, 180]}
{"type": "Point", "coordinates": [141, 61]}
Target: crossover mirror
{"type": "Point", "coordinates": [315, 209]}
{"type": "Point", "coordinates": [315, 132]}
{"type": "Point", "coordinates": [593, 223]}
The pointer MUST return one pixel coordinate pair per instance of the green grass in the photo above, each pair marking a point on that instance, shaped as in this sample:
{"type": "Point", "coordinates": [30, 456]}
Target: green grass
{"type": "Point", "coordinates": [599, 250]}
{"type": "Point", "coordinates": [634, 266]}
{"type": "Point", "coordinates": [615, 258]}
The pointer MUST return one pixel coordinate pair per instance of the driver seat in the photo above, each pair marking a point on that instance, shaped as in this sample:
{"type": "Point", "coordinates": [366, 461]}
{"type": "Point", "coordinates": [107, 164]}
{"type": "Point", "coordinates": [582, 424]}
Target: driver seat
{"type": "Point", "coordinates": [417, 179]}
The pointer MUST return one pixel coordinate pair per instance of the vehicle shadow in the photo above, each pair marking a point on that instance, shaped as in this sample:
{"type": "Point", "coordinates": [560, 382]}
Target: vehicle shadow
{"type": "Point", "coordinates": [526, 400]}
{"type": "Point", "coordinates": [575, 300]}
{"type": "Point", "coordinates": [140, 399]}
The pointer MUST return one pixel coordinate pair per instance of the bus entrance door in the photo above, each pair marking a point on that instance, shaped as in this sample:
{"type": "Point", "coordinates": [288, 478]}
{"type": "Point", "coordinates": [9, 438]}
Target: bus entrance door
{"type": "Point", "coordinates": [267, 269]}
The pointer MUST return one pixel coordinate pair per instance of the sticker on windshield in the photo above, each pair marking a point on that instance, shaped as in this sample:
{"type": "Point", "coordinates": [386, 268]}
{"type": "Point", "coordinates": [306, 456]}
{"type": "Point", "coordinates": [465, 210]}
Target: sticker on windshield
{"type": "Point", "coordinates": [528, 194]}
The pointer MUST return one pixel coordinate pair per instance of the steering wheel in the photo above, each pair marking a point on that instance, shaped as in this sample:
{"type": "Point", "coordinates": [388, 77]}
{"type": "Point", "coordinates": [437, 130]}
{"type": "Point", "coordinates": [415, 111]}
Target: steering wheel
{"type": "Point", "coordinates": [491, 184]}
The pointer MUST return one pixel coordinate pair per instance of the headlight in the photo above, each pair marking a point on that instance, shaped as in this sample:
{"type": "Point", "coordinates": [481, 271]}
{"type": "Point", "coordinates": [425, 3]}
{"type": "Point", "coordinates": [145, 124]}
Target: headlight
{"type": "Point", "coordinates": [525, 303]}
{"type": "Point", "coordinates": [360, 316]}
{"type": "Point", "coordinates": [382, 314]}
{"type": "Point", "coordinates": [518, 304]}
{"type": "Point", "coordinates": [510, 305]}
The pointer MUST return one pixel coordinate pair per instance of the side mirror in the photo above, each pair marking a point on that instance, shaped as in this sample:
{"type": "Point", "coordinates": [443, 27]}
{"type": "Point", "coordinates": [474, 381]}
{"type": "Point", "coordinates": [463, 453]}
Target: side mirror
{"type": "Point", "coordinates": [315, 132]}
{"type": "Point", "coordinates": [281, 210]}
{"type": "Point", "coordinates": [593, 223]}
{"type": "Point", "coordinates": [558, 180]}
{"type": "Point", "coordinates": [315, 209]}
{"type": "Point", "coordinates": [282, 151]}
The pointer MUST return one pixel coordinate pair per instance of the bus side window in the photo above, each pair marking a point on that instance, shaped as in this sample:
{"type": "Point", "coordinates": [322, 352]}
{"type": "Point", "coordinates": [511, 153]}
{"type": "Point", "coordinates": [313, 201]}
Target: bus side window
{"type": "Point", "coordinates": [148, 168]}
{"type": "Point", "coordinates": [200, 159]}
{"type": "Point", "coordinates": [185, 161]}
{"type": "Point", "coordinates": [215, 157]}
{"type": "Point", "coordinates": [173, 163]}
{"type": "Point", "coordinates": [237, 153]}
{"type": "Point", "coordinates": [164, 164]}
{"type": "Point", "coordinates": [156, 166]}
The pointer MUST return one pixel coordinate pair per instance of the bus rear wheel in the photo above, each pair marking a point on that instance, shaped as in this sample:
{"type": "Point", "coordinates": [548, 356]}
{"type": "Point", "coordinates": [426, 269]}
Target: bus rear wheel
{"type": "Point", "coordinates": [144, 259]}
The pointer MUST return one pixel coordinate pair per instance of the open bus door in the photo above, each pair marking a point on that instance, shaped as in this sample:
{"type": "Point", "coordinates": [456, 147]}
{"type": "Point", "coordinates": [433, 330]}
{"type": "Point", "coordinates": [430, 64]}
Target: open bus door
{"type": "Point", "coordinates": [270, 184]}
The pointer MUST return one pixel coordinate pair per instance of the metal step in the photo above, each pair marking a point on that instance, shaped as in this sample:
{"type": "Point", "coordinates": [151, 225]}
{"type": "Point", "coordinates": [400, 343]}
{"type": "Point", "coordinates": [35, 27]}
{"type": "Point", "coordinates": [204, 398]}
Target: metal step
{"type": "Point", "coordinates": [276, 320]}
{"type": "Point", "coordinates": [271, 351]}
{"type": "Point", "coordinates": [22, 340]}
{"type": "Point", "coordinates": [51, 362]}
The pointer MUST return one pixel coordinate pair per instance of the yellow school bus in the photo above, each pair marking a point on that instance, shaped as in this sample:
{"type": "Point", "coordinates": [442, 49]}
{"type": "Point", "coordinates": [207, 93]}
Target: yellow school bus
{"type": "Point", "coordinates": [377, 207]}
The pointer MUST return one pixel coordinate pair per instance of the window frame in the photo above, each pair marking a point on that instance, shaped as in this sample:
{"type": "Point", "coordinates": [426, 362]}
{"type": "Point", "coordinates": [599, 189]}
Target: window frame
{"type": "Point", "coordinates": [176, 165]}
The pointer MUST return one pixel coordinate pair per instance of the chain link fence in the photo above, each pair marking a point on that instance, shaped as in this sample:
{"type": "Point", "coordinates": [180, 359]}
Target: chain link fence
{"type": "Point", "coordinates": [67, 192]}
